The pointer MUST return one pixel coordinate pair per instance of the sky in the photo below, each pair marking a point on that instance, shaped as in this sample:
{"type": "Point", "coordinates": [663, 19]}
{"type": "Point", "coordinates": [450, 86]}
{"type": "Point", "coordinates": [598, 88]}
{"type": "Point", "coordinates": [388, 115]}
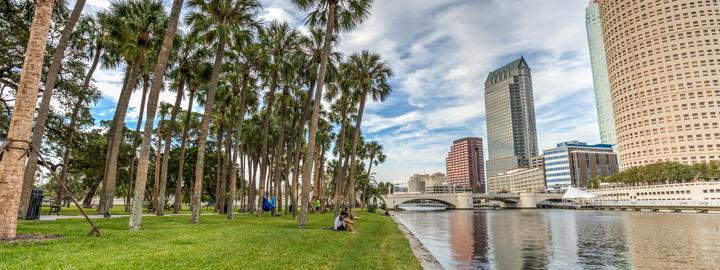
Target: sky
{"type": "Point", "coordinates": [441, 52]}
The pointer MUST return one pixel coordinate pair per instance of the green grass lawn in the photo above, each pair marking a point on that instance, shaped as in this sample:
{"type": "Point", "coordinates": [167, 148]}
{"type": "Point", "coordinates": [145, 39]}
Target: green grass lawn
{"type": "Point", "coordinates": [116, 210]}
{"type": "Point", "coordinates": [217, 243]}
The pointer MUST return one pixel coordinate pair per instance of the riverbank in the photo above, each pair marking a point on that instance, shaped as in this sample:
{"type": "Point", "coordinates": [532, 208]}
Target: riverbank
{"type": "Point", "coordinates": [217, 243]}
{"type": "Point", "coordinates": [424, 257]}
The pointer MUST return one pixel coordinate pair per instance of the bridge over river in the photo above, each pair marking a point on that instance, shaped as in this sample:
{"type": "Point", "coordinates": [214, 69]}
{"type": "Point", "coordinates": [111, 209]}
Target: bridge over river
{"type": "Point", "coordinates": [467, 200]}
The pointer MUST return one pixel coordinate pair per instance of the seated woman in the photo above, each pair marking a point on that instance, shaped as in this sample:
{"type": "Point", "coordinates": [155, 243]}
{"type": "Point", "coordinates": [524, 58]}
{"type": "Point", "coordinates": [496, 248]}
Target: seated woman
{"type": "Point", "coordinates": [343, 223]}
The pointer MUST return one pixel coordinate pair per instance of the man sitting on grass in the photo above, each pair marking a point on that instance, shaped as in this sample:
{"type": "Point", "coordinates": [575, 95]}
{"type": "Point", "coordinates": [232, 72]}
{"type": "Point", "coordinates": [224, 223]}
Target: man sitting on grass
{"type": "Point", "coordinates": [343, 223]}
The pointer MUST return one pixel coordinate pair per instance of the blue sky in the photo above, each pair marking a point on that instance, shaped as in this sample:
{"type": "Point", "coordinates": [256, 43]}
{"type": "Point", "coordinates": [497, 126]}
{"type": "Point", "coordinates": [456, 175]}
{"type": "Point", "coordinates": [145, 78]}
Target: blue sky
{"type": "Point", "coordinates": [441, 52]}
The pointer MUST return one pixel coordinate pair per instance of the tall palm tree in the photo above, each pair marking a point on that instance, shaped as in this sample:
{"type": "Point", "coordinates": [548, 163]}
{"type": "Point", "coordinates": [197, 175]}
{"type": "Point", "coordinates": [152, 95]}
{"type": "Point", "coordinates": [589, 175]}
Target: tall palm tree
{"type": "Point", "coordinates": [89, 39]}
{"type": "Point", "coordinates": [374, 150]}
{"type": "Point", "coordinates": [12, 165]}
{"type": "Point", "coordinates": [136, 26]}
{"type": "Point", "coordinates": [334, 15]}
{"type": "Point", "coordinates": [215, 22]}
{"type": "Point", "coordinates": [345, 103]}
{"type": "Point", "coordinates": [158, 73]}
{"type": "Point", "coordinates": [370, 76]}
{"type": "Point", "coordinates": [184, 57]}
{"type": "Point", "coordinates": [196, 77]}
{"type": "Point", "coordinates": [44, 109]}
{"type": "Point", "coordinates": [282, 45]}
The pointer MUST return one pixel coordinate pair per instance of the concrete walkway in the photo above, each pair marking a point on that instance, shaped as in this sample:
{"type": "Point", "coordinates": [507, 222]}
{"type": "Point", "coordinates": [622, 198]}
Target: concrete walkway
{"type": "Point", "coordinates": [51, 218]}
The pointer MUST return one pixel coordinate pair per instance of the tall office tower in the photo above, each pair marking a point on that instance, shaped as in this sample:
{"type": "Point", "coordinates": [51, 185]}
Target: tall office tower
{"type": "Point", "coordinates": [510, 115]}
{"type": "Point", "coordinates": [664, 67]}
{"type": "Point", "coordinates": [600, 73]}
{"type": "Point", "coordinates": [465, 164]}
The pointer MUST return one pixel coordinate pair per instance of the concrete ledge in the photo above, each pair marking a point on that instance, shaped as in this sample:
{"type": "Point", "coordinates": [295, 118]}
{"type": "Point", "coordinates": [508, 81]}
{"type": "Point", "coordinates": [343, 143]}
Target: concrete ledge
{"type": "Point", "coordinates": [426, 259]}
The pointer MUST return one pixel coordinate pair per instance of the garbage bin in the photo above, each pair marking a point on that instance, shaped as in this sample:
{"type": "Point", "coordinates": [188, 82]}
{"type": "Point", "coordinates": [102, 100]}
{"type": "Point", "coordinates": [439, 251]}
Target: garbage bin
{"type": "Point", "coordinates": [35, 204]}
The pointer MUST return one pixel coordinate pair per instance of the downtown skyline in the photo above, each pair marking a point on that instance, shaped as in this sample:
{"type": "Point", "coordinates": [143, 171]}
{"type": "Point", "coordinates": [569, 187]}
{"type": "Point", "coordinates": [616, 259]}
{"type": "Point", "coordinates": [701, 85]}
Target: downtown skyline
{"type": "Point", "coordinates": [440, 70]}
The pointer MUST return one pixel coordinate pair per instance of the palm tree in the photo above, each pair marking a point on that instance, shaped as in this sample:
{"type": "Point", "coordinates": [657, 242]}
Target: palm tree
{"type": "Point", "coordinates": [374, 150]}
{"type": "Point", "coordinates": [44, 110]}
{"type": "Point", "coordinates": [215, 22]}
{"type": "Point", "coordinates": [370, 75]}
{"type": "Point", "coordinates": [135, 27]}
{"type": "Point", "coordinates": [89, 39]}
{"type": "Point", "coordinates": [334, 15]}
{"type": "Point", "coordinates": [341, 108]}
{"type": "Point", "coordinates": [196, 77]}
{"type": "Point", "coordinates": [12, 165]}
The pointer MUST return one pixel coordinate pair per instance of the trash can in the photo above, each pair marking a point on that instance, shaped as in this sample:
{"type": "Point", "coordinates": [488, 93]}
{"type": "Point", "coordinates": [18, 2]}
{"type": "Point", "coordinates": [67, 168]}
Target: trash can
{"type": "Point", "coordinates": [35, 204]}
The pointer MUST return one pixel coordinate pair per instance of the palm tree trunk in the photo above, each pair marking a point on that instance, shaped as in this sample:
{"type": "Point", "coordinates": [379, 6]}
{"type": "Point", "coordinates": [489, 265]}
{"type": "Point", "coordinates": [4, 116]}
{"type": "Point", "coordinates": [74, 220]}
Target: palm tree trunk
{"type": "Point", "coordinates": [169, 128]}
{"type": "Point", "coordinates": [281, 142]}
{"type": "Point", "coordinates": [309, 151]}
{"type": "Point", "coordinates": [44, 110]}
{"type": "Point", "coordinates": [158, 157]}
{"type": "Point", "coordinates": [236, 149]}
{"type": "Point", "coordinates": [264, 156]}
{"type": "Point", "coordinates": [353, 153]}
{"type": "Point", "coordinates": [340, 171]}
{"type": "Point", "coordinates": [158, 73]}
{"type": "Point", "coordinates": [183, 148]}
{"type": "Point", "coordinates": [118, 128]}
{"type": "Point", "coordinates": [218, 164]}
{"type": "Point", "coordinates": [69, 140]}
{"type": "Point", "coordinates": [365, 185]}
{"type": "Point", "coordinates": [146, 85]}
{"type": "Point", "coordinates": [12, 166]}
{"type": "Point", "coordinates": [200, 163]}
{"type": "Point", "coordinates": [76, 111]}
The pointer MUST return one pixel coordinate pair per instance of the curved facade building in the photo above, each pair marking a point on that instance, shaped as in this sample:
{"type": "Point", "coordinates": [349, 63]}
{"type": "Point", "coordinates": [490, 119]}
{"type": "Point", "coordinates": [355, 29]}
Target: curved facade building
{"type": "Point", "coordinates": [663, 61]}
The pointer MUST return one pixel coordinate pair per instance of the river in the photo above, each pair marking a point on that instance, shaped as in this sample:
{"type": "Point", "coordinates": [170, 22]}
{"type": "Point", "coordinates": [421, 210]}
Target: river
{"type": "Point", "coordinates": [567, 239]}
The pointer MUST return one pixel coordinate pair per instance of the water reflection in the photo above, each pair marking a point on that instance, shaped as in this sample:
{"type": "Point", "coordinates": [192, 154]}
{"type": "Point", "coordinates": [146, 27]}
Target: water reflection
{"type": "Point", "coordinates": [566, 239]}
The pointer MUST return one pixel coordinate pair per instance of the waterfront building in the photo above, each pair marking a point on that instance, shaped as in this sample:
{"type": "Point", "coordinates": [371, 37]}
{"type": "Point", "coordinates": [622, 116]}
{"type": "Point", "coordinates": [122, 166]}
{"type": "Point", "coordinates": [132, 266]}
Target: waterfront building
{"type": "Point", "coordinates": [437, 179]}
{"type": "Point", "coordinates": [421, 182]}
{"type": "Point", "coordinates": [510, 118]}
{"type": "Point", "coordinates": [663, 60]}
{"type": "Point", "coordinates": [464, 164]}
{"type": "Point", "coordinates": [518, 180]}
{"type": "Point", "coordinates": [400, 188]}
{"type": "Point", "coordinates": [669, 194]}
{"type": "Point", "coordinates": [576, 163]}
{"type": "Point", "coordinates": [601, 83]}
{"type": "Point", "coordinates": [418, 182]}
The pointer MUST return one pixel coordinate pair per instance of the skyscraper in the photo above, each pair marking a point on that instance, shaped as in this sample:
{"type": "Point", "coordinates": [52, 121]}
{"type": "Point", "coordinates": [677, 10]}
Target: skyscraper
{"type": "Point", "coordinates": [464, 164]}
{"type": "Point", "coordinates": [510, 115]}
{"type": "Point", "coordinates": [663, 62]}
{"type": "Point", "coordinates": [600, 73]}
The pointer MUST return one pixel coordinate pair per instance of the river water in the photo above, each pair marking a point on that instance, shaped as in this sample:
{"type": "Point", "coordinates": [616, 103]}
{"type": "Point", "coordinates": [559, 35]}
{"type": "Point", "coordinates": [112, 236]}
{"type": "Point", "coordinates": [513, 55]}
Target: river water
{"type": "Point", "coordinates": [567, 239]}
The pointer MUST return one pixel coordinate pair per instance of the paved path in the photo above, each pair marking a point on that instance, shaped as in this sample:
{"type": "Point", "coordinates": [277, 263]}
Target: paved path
{"type": "Point", "coordinates": [51, 218]}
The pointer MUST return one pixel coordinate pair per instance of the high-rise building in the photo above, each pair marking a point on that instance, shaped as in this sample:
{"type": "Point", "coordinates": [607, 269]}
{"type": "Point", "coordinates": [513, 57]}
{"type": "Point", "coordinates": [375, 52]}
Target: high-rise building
{"type": "Point", "coordinates": [663, 61]}
{"type": "Point", "coordinates": [601, 82]}
{"type": "Point", "coordinates": [510, 117]}
{"type": "Point", "coordinates": [576, 163]}
{"type": "Point", "coordinates": [465, 164]}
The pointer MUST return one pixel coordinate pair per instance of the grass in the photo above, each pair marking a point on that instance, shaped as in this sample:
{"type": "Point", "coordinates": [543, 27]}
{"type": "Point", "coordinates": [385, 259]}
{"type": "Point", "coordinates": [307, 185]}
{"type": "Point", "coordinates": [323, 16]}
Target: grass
{"type": "Point", "coordinates": [247, 242]}
{"type": "Point", "coordinates": [116, 210]}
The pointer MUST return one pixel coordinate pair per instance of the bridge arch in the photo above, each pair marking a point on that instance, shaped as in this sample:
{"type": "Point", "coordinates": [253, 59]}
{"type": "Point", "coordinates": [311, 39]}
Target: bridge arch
{"type": "Point", "coordinates": [449, 205]}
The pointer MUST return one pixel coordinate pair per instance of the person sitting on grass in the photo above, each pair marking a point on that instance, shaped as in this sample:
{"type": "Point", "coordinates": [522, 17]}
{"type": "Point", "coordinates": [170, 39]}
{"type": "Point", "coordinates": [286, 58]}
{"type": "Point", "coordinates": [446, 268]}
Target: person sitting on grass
{"type": "Point", "coordinates": [343, 223]}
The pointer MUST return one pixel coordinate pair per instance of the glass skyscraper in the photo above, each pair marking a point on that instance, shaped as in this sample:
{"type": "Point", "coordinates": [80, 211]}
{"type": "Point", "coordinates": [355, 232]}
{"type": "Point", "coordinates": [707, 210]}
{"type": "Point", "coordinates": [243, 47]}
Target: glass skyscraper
{"type": "Point", "coordinates": [600, 73]}
{"type": "Point", "coordinates": [510, 113]}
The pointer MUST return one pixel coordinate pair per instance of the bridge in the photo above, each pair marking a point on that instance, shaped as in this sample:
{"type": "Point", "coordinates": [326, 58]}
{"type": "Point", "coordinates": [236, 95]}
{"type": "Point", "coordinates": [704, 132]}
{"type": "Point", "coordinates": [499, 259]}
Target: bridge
{"type": "Point", "coordinates": [466, 200]}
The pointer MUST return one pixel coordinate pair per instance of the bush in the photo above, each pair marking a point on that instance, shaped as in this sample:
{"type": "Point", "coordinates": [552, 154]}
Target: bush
{"type": "Point", "coordinates": [371, 208]}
